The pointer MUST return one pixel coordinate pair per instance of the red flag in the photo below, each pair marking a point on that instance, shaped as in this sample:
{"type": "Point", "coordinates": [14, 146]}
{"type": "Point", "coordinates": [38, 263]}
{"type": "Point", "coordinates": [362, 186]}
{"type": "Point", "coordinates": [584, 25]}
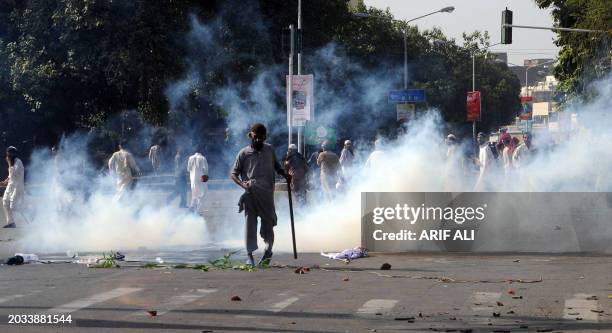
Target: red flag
{"type": "Point", "coordinates": [473, 106]}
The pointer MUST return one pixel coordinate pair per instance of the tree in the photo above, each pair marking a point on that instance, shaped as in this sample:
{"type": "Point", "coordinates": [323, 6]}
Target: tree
{"type": "Point", "coordinates": [583, 57]}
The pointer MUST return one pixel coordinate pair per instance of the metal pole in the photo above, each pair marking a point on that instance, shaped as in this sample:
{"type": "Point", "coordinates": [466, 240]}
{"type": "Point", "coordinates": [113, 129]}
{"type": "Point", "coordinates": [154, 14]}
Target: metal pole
{"type": "Point", "coordinates": [299, 26]}
{"type": "Point", "coordinates": [474, 89]}
{"type": "Point", "coordinates": [554, 29]}
{"type": "Point", "coordinates": [299, 71]}
{"type": "Point", "coordinates": [290, 85]}
{"type": "Point", "coordinates": [405, 59]}
{"type": "Point", "coordinates": [473, 71]}
{"type": "Point", "coordinates": [526, 82]}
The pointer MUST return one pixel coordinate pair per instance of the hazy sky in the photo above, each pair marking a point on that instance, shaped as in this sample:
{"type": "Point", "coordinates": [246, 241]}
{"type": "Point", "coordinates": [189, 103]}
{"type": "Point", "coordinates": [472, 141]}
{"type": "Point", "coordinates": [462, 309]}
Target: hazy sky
{"type": "Point", "coordinates": [470, 15]}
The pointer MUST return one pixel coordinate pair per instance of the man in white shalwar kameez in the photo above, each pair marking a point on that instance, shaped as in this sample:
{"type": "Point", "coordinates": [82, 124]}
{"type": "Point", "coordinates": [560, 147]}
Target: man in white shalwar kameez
{"type": "Point", "coordinates": [124, 167]}
{"type": "Point", "coordinates": [373, 160]}
{"type": "Point", "coordinates": [486, 162]}
{"type": "Point", "coordinates": [197, 166]}
{"type": "Point", "coordinates": [155, 158]}
{"type": "Point", "coordinates": [15, 187]}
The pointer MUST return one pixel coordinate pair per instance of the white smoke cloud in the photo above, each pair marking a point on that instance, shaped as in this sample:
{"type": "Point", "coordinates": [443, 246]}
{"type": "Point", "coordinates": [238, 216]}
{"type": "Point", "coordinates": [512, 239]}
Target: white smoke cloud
{"type": "Point", "coordinates": [72, 206]}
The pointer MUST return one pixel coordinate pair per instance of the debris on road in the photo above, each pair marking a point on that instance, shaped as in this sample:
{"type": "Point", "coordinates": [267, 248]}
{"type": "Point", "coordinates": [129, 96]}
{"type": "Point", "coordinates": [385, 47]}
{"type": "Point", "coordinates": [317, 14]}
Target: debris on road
{"type": "Point", "coordinates": [346, 279]}
{"type": "Point", "coordinates": [152, 313]}
{"type": "Point", "coordinates": [500, 303]}
{"type": "Point", "coordinates": [516, 260]}
{"type": "Point", "coordinates": [592, 298]}
{"type": "Point", "coordinates": [16, 260]}
{"type": "Point", "coordinates": [236, 299]}
{"type": "Point", "coordinates": [385, 267]}
{"type": "Point", "coordinates": [542, 329]}
{"type": "Point", "coordinates": [408, 319]}
{"type": "Point", "coordinates": [517, 297]}
{"type": "Point", "coordinates": [302, 270]}
{"type": "Point", "coordinates": [511, 292]}
{"type": "Point", "coordinates": [597, 311]}
{"type": "Point", "coordinates": [28, 257]}
{"type": "Point", "coordinates": [118, 256]}
{"type": "Point", "coordinates": [496, 314]}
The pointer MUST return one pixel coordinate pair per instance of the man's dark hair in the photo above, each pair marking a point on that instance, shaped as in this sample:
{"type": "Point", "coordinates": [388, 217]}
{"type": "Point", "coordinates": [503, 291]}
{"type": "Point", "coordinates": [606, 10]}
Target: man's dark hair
{"type": "Point", "coordinates": [259, 128]}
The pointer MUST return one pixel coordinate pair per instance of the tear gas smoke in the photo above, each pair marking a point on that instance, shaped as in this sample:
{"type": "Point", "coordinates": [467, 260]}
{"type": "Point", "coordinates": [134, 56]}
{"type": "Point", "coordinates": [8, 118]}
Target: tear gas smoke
{"type": "Point", "coordinates": [73, 206]}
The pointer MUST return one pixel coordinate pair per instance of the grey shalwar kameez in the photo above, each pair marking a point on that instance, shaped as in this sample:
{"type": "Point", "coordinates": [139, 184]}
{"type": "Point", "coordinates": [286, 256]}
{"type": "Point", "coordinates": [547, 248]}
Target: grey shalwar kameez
{"type": "Point", "coordinates": [258, 168]}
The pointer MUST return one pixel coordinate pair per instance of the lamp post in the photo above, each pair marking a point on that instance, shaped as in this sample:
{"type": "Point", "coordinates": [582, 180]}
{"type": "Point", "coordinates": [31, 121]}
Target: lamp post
{"type": "Point", "coordinates": [474, 87]}
{"type": "Point", "coordinates": [448, 9]}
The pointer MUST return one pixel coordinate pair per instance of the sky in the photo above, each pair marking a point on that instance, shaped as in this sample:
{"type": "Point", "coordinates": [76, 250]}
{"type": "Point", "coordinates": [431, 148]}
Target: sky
{"type": "Point", "coordinates": [471, 15]}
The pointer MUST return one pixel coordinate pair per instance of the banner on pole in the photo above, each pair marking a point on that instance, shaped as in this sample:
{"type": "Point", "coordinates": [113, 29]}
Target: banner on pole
{"type": "Point", "coordinates": [526, 108]}
{"type": "Point", "coordinates": [473, 106]}
{"type": "Point", "coordinates": [315, 134]}
{"type": "Point", "coordinates": [302, 99]}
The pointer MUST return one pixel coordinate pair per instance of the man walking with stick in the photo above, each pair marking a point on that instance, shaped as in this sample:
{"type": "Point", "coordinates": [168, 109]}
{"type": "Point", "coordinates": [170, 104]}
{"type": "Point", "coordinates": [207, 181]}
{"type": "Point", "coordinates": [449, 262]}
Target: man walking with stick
{"type": "Point", "coordinates": [254, 171]}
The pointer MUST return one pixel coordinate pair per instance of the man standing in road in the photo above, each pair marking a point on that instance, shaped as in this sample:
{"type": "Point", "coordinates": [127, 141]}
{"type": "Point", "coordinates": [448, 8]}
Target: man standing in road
{"type": "Point", "coordinates": [123, 165]}
{"type": "Point", "coordinates": [181, 178]}
{"type": "Point", "coordinates": [197, 166]}
{"type": "Point", "coordinates": [254, 171]}
{"type": "Point", "coordinates": [347, 156]}
{"type": "Point", "coordinates": [295, 166]}
{"type": "Point", "coordinates": [15, 187]}
{"type": "Point", "coordinates": [330, 165]}
{"type": "Point", "coordinates": [486, 162]}
{"type": "Point", "coordinates": [155, 158]}
{"type": "Point", "coordinates": [522, 153]}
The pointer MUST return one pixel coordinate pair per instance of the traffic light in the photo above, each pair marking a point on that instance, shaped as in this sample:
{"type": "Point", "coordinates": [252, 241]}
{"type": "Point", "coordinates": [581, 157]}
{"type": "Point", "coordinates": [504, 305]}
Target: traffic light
{"type": "Point", "coordinates": [506, 32]}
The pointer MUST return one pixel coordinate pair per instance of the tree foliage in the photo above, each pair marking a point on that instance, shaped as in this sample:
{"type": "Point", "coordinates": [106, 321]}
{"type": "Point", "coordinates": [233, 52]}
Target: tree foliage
{"type": "Point", "coordinates": [70, 65]}
{"type": "Point", "coordinates": [584, 57]}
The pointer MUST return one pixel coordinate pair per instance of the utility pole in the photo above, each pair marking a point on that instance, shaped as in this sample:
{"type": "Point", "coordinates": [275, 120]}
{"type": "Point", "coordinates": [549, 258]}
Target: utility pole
{"type": "Point", "coordinates": [290, 84]}
{"type": "Point", "coordinates": [474, 89]}
{"type": "Point", "coordinates": [300, 143]}
{"type": "Point", "coordinates": [474, 86]}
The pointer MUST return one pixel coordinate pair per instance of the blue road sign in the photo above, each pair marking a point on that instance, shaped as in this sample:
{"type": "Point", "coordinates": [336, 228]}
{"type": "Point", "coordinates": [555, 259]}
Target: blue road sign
{"type": "Point", "coordinates": [407, 96]}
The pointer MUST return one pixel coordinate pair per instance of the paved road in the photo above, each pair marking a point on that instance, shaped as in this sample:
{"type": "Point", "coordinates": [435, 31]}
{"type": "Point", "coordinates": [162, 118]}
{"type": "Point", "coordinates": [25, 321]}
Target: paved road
{"type": "Point", "coordinates": [444, 293]}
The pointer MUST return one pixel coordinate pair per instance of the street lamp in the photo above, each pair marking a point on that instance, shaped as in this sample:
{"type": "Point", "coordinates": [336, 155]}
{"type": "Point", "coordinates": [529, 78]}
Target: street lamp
{"type": "Point", "coordinates": [448, 9]}
{"type": "Point", "coordinates": [474, 86]}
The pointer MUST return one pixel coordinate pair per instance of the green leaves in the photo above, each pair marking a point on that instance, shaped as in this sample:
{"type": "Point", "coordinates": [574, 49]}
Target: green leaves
{"type": "Point", "coordinates": [584, 57]}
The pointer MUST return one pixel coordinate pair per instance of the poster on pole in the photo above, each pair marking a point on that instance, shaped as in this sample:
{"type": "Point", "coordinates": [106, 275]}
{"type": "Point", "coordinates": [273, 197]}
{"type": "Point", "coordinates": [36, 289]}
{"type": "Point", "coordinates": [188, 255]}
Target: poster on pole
{"type": "Point", "coordinates": [302, 99]}
{"type": "Point", "coordinates": [473, 106]}
{"type": "Point", "coordinates": [405, 112]}
{"type": "Point", "coordinates": [526, 108]}
{"type": "Point", "coordinates": [315, 134]}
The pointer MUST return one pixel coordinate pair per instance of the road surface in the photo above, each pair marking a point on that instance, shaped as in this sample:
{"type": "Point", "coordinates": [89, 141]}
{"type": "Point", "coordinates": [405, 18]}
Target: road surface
{"type": "Point", "coordinates": [421, 293]}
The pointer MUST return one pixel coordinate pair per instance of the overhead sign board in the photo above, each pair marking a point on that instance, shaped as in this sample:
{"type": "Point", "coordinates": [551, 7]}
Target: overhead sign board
{"type": "Point", "coordinates": [407, 96]}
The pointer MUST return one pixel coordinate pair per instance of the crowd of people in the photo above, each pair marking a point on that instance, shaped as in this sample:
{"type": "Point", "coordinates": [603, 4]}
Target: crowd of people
{"type": "Point", "coordinates": [255, 168]}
